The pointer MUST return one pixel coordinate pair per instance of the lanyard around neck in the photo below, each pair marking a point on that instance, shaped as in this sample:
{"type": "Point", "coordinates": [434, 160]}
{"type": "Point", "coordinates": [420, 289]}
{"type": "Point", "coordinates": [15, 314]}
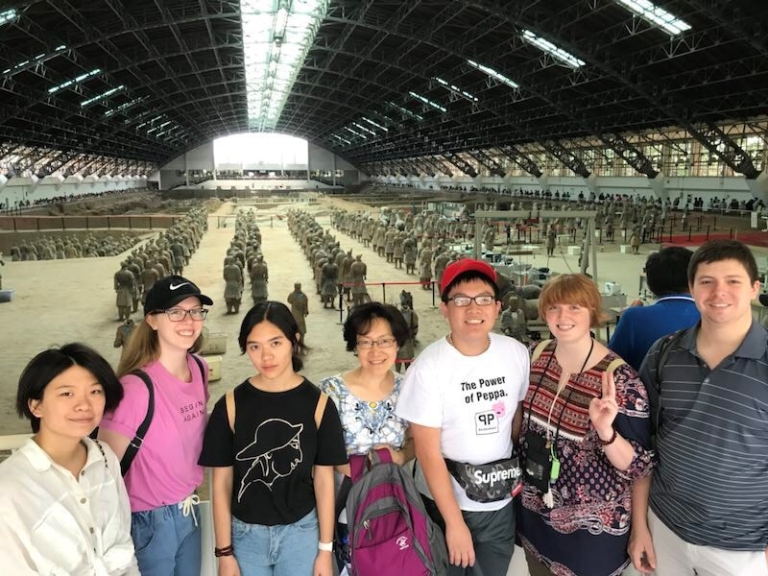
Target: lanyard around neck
{"type": "Point", "coordinates": [557, 394]}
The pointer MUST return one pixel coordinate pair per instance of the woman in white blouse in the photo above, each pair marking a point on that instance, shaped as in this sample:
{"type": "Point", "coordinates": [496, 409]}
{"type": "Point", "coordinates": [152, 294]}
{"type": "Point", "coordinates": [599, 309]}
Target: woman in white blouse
{"type": "Point", "coordinates": [64, 510]}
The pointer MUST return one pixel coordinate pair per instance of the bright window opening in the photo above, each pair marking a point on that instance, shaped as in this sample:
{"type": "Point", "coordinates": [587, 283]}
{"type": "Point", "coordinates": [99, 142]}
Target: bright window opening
{"type": "Point", "coordinates": [656, 15]}
{"type": "Point", "coordinates": [74, 81]}
{"type": "Point", "coordinates": [493, 74]}
{"type": "Point", "coordinates": [557, 53]}
{"type": "Point", "coordinates": [260, 151]}
{"type": "Point", "coordinates": [456, 90]}
{"type": "Point", "coordinates": [428, 102]}
{"type": "Point", "coordinates": [100, 97]}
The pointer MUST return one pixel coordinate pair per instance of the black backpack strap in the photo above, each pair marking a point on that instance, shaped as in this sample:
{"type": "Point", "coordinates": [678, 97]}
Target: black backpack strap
{"type": "Point", "coordinates": [141, 432]}
{"type": "Point", "coordinates": [202, 368]}
{"type": "Point", "coordinates": [665, 348]}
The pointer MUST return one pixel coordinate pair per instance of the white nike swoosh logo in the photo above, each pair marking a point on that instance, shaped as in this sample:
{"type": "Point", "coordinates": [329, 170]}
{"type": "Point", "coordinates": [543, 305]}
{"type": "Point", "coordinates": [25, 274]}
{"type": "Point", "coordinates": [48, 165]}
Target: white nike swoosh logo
{"type": "Point", "coordinates": [172, 287]}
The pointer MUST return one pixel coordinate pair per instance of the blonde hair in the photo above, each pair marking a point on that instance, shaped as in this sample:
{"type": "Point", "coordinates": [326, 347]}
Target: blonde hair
{"type": "Point", "coordinates": [573, 289]}
{"type": "Point", "coordinates": [143, 347]}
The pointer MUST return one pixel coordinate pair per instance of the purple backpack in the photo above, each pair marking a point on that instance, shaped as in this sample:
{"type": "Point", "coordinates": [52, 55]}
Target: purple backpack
{"type": "Point", "coordinates": [388, 524]}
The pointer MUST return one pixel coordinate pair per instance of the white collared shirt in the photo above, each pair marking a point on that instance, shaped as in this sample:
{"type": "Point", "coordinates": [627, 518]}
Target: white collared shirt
{"type": "Point", "coordinates": [54, 524]}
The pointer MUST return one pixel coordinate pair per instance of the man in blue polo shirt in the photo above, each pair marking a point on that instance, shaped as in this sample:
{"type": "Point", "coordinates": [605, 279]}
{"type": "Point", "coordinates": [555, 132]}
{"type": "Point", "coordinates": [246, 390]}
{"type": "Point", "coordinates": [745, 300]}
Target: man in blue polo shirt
{"type": "Point", "coordinates": [640, 326]}
{"type": "Point", "coordinates": [708, 389]}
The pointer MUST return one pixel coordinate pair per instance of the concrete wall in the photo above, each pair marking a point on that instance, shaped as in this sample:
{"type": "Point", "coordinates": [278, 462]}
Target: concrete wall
{"type": "Point", "coordinates": [200, 158]}
{"type": "Point", "coordinates": [32, 189]}
{"type": "Point", "coordinates": [322, 159]}
{"type": "Point", "coordinates": [168, 179]}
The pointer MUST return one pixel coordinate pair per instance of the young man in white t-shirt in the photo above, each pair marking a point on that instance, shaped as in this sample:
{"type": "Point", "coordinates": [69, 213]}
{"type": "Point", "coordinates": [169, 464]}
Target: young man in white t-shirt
{"type": "Point", "coordinates": [462, 397]}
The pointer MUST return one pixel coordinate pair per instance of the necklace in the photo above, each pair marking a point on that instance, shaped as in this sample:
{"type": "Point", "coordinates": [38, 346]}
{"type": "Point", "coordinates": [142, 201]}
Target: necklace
{"type": "Point", "coordinates": [450, 341]}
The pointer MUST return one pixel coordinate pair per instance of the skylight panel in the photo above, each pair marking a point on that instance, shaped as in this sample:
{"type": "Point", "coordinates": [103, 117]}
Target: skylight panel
{"type": "Point", "coordinates": [557, 53]}
{"type": "Point", "coordinates": [356, 133]}
{"type": "Point", "coordinates": [427, 101]}
{"type": "Point", "coordinates": [493, 74]}
{"type": "Point", "coordinates": [343, 140]}
{"type": "Point", "coordinates": [8, 16]}
{"type": "Point", "coordinates": [276, 40]}
{"type": "Point", "coordinates": [405, 112]}
{"type": "Point", "coordinates": [456, 90]}
{"type": "Point", "coordinates": [24, 63]}
{"type": "Point", "coordinates": [74, 81]}
{"type": "Point", "coordinates": [124, 106]}
{"type": "Point", "coordinates": [364, 129]}
{"type": "Point", "coordinates": [649, 12]}
{"type": "Point", "coordinates": [106, 94]}
{"type": "Point", "coordinates": [376, 124]}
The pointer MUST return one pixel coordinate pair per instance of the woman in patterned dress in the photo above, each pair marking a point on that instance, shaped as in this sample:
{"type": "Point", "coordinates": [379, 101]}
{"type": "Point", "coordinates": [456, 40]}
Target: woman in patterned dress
{"type": "Point", "coordinates": [366, 395]}
{"type": "Point", "coordinates": [586, 417]}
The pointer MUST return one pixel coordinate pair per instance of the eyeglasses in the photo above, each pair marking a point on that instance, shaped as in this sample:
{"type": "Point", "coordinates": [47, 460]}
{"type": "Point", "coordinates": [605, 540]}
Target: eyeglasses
{"type": "Point", "coordinates": [178, 314]}
{"type": "Point", "coordinates": [464, 301]}
{"type": "Point", "coordinates": [380, 343]}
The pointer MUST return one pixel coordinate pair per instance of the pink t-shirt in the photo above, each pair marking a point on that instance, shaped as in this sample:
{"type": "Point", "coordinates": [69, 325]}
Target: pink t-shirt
{"type": "Point", "coordinates": [165, 469]}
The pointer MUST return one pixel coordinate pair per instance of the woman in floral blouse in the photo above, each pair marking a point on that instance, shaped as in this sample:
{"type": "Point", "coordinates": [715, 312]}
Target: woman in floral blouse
{"type": "Point", "coordinates": [586, 439]}
{"type": "Point", "coordinates": [366, 395]}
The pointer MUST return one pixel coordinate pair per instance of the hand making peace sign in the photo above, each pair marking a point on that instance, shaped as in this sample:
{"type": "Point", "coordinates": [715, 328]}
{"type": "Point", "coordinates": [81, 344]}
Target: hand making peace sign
{"type": "Point", "coordinates": [602, 411]}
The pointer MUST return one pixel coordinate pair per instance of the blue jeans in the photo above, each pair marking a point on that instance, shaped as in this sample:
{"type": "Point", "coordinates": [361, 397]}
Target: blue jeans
{"type": "Point", "coordinates": [167, 542]}
{"type": "Point", "coordinates": [282, 550]}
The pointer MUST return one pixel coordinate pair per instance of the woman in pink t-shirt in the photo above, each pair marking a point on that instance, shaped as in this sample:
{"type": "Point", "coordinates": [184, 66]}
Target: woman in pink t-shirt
{"type": "Point", "coordinates": [164, 385]}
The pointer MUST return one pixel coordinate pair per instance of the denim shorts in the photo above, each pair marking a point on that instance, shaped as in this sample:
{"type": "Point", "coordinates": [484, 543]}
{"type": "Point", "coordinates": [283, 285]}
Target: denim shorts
{"type": "Point", "coordinates": [282, 550]}
{"type": "Point", "coordinates": [167, 541]}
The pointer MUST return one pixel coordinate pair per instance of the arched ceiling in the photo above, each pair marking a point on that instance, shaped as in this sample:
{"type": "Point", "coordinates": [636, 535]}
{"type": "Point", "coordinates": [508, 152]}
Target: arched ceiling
{"type": "Point", "coordinates": [177, 68]}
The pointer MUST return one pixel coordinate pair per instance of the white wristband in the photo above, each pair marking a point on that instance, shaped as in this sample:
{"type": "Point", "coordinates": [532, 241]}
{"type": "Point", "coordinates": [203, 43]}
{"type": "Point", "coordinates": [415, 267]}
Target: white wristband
{"type": "Point", "coordinates": [325, 546]}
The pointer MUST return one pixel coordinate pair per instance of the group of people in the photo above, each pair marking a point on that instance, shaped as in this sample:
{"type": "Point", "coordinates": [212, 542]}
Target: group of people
{"type": "Point", "coordinates": [244, 257]}
{"type": "Point", "coordinates": [72, 246]}
{"type": "Point", "coordinates": [158, 258]}
{"type": "Point", "coordinates": [657, 458]}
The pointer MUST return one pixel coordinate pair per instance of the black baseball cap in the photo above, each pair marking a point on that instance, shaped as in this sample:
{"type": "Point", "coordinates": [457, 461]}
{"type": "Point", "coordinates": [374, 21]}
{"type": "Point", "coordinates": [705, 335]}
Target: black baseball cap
{"type": "Point", "coordinates": [171, 290]}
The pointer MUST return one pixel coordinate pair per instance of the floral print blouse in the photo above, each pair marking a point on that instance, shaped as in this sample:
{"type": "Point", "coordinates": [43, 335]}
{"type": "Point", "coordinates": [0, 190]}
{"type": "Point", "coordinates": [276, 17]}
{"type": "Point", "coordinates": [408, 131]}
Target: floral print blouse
{"type": "Point", "coordinates": [366, 424]}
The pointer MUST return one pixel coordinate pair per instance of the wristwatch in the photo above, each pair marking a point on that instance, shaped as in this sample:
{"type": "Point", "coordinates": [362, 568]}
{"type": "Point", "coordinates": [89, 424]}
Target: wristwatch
{"type": "Point", "coordinates": [325, 546]}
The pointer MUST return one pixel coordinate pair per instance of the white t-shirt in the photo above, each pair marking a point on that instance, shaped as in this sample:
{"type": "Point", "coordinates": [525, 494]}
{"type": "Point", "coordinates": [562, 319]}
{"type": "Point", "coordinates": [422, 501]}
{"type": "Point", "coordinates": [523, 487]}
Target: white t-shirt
{"type": "Point", "coordinates": [473, 399]}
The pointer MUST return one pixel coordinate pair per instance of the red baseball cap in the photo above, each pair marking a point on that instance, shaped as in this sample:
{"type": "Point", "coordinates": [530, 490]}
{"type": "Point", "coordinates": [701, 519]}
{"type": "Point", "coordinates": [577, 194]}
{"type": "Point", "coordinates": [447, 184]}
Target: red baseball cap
{"type": "Point", "coordinates": [466, 265]}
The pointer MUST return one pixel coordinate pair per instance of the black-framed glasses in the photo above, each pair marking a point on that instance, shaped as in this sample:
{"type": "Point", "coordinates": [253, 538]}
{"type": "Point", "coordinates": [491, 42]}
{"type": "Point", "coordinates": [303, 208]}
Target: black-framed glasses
{"type": "Point", "coordinates": [464, 301]}
{"type": "Point", "coordinates": [178, 314]}
{"type": "Point", "coordinates": [386, 342]}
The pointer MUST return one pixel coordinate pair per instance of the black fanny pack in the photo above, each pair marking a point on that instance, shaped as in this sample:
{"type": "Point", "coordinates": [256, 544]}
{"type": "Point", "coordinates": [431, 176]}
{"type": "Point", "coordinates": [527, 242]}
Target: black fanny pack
{"type": "Point", "coordinates": [488, 482]}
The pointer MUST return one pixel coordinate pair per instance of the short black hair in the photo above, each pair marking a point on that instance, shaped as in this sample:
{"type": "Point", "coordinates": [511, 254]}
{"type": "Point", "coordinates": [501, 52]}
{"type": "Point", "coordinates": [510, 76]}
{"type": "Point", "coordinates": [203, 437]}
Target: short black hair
{"type": "Point", "coordinates": [361, 317]}
{"type": "Point", "coordinates": [468, 276]}
{"type": "Point", "coordinates": [278, 314]}
{"type": "Point", "coordinates": [49, 364]}
{"type": "Point", "coordinates": [717, 250]}
{"type": "Point", "coordinates": [666, 271]}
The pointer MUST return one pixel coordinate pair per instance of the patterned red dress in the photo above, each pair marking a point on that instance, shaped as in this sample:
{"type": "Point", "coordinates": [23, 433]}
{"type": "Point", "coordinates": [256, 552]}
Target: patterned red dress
{"type": "Point", "coordinates": [587, 531]}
